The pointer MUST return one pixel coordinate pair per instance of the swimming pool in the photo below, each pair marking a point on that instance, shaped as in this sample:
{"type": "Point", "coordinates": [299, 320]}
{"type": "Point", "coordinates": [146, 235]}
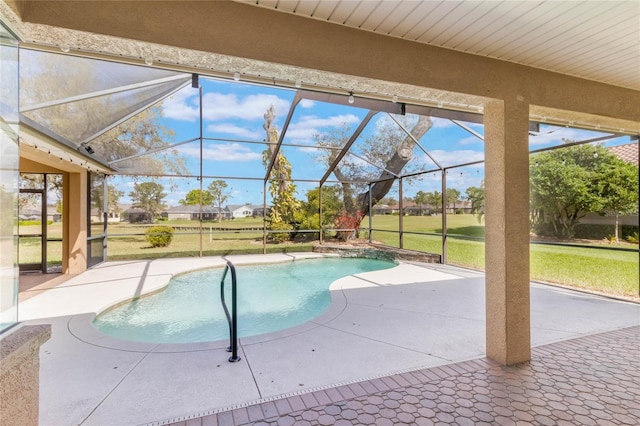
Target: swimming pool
{"type": "Point", "coordinates": [270, 298]}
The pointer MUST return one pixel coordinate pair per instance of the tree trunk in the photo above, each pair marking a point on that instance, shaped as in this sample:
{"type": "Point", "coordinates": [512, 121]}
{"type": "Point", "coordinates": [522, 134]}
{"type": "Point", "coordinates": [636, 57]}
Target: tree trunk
{"type": "Point", "coordinates": [617, 222]}
{"type": "Point", "coordinates": [347, 192]}
{"type": "Point", "coordinates": [395, 164]}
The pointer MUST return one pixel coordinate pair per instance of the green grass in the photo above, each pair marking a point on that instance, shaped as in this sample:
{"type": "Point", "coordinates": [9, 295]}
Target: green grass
{"type": "Point", "coordinates": [608, 271]}
{"type": "Point", "coordinates": [128, 245]}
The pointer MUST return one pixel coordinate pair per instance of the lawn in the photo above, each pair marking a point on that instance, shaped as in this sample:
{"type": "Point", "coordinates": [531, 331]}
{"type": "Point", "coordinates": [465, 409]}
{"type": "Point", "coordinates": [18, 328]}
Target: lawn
{"type": "Point", "coordinates": [602, 269]}
{"type": "Point", "coordinates": [592, 265]}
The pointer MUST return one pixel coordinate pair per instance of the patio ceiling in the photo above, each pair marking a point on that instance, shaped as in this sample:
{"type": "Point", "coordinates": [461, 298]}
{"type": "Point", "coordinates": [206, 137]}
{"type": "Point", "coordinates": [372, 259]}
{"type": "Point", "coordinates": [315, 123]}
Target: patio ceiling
{"type": "Point", "coordinates": [594, 40]}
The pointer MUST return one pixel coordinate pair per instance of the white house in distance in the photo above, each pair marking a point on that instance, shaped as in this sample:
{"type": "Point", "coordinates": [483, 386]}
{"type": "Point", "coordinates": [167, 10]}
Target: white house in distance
{"type": "Point", "coordinates": [192, 212]}
{"type": "Point", "coordinates": [238, 211]}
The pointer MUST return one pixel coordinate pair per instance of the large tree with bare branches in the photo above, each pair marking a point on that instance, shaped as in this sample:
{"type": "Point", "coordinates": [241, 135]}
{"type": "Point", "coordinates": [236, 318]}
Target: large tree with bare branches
{"type": "Point", "coordinates": [390, 148]}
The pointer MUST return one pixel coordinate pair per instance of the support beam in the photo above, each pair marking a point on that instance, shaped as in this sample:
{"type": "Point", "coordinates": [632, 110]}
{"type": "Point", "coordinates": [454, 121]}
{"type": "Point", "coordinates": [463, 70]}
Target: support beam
{"type": "Point", "coordinates": [508, 334]}
{"type": "Point", "coordinates": [347, 146]}
{"type": "Point", "coordinates": [75, 227]}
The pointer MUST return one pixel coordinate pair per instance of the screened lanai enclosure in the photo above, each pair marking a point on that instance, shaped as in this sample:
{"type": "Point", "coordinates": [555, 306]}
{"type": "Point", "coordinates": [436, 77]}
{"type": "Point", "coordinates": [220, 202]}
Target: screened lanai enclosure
{"type": "Point", "coordinates": [238, 166]}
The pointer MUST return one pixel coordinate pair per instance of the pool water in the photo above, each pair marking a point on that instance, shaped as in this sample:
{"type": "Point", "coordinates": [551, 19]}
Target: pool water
{"type": "Point", "coordinates": [270, 298]}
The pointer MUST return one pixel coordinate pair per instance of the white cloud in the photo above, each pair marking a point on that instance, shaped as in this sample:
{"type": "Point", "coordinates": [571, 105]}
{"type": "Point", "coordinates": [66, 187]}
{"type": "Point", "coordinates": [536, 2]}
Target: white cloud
{"type": "Point", "coordinates": [451, 158]}
{"type": "Point", "coordinates": [441, 123]}
{"type": "Point", "coordinates": [308, 126]}
{"type": "Point", "coordinates": [223, 152]}
{"type": "Point", "coordinates": [307, 103]}
{"type": "Point", "coordinates": [182, 105]}
{"type": "Point", "coordinates": [232, 129]}
{"type": "Point", "coordinates": [470, 140]}
{"type": "Point", "coordinates": [555, 135]}
{"type": "Point", "coordinates": [219, 106]}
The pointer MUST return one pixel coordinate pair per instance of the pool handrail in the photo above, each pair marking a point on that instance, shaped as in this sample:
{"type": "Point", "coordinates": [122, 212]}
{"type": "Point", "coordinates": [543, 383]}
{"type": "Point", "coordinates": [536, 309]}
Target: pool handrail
{"type": "Point", "coordinates": [232, 318]}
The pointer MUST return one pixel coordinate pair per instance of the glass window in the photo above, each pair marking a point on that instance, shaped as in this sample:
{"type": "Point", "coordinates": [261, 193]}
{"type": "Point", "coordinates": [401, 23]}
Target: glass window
{"type": "Point", "coordinates": [8, 178]}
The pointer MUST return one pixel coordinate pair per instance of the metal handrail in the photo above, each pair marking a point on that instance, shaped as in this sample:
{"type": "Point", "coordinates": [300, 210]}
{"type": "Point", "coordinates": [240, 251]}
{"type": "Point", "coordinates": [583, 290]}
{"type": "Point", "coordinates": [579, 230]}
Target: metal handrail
{"type": "Point", "coordinates": [232, 318]}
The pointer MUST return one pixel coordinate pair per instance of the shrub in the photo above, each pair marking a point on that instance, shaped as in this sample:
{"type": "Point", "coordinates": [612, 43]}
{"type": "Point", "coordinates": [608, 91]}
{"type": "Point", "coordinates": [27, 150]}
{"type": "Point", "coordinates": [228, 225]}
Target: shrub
{"type": "Point", "coordinates": [633, 238]}
{"type": "Point", "coordinates": [348, 221]}
{"type": "Point", "coordinates": [159, 236]}
{"type": "Point", "coordinates": [280, 237]}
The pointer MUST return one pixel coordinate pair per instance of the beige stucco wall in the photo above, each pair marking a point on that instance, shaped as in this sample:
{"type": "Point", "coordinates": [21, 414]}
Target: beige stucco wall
{"type": "Point", "coordinates": [74, 214]}
{"type": "Point", "coordinates": [19, 374]}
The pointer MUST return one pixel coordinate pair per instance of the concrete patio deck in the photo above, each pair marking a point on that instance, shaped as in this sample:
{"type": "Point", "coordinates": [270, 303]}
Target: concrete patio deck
{"type": "Point", "coordinates": [407, 318]}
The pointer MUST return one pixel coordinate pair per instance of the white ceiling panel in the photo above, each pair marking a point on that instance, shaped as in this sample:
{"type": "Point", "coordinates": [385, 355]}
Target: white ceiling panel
{"type": "Point", "coordinates": [324, 10]}
{"type": "Point", "coordinates": [306, 7]}
{"type": "Point", "coordinates": [379, 15]}
{"type": "Point", "coordinates": [596, 40]}
{"type": "Point", "coordinates": [287, 5]}
{"type": "Point", "coordinates": [343, 11]}
{"type": "Point", "coordinates": [413, 26]}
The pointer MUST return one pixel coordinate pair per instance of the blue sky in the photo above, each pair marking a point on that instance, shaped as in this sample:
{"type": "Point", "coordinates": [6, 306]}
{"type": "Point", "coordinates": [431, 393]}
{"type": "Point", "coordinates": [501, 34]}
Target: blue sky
{"type": "Point", "coordinates": [233, 111]}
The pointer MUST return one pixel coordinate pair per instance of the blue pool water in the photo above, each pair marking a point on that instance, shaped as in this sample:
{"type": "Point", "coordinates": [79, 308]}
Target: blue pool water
{"type": "Point", "coordinates": [270, 298]}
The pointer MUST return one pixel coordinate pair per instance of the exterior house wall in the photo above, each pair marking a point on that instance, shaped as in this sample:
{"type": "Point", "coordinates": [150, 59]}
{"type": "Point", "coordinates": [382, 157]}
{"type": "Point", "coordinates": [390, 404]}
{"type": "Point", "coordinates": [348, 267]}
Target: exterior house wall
{"type": "Point", "coordinates": [179, 216]}
{"type": "Point", "coordinates": [242, 212]}
{"type": "Point", "coordinates": [596, 219]}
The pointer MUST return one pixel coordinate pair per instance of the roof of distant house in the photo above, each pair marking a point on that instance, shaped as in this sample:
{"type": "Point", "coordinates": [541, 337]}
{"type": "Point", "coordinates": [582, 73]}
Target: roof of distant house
{"type": "Point", "coordinates": [194, 208]}
{"type": "Point", "coordinates": [628, 152]}
{"type": "Point", "coordinates": [233, 207]}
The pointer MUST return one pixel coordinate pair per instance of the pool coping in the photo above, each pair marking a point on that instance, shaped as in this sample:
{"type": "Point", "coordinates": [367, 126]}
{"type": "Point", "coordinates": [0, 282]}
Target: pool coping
{"type": "Point", "coordinates": [81, 325]}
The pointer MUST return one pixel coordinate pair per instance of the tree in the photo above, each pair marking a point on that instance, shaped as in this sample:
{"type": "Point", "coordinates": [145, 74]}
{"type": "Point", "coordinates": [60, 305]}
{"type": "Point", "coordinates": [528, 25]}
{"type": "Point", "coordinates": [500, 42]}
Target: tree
{"type": "Point", "coordinates": [113, 198]}
{"type": "Point", "coordinates": [141, 134]}
{"type": "Point", "coordinates": [568, 183]}
{"type": "Point", "coordinates": [435, 199]}
{"type": "Point", "coordinates": [389, 146]}
{"type": "Point", "coordinates": [218, 191]}
{"type": "Point", "coordinates": [453, 196]}
{"type": "Point", "coordinates": [619, 188]}
{"type": "Point", "coordinates": [389, 201]}
{"type": "Point", "coordinates": [475, 196]}
{"type": "Point", "coordinates": [193, 198]}
{"type": "Point", "coordinates": [82, 121]}
{"type": "Point", "coordinates": [282, 215]}
{"type": "Point", "coordinates": [148, 196]}
{"type": "Point", "coordinates": [309, 213]}
{"type": "Point", "coordinates": [421, 200]}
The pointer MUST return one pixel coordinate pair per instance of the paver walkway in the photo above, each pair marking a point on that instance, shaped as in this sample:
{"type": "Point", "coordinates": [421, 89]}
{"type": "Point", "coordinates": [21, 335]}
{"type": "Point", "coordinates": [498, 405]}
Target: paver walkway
{"type": "Point", "coordinates": [592, 380]}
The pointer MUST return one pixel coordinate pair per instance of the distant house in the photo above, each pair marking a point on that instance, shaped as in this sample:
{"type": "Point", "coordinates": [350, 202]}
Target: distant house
{"type": "Point", "coordinates": [460, 207]}
{"type": "Point", "coordinates": [259, 211]}
{"type": "Point", "coordinates": [385, 209]}
{"type": "Point", "coordinates": [238, 211]}
{"type": "Point", "coordinates": [411, 209]}
{"type": "Point", "coordinates": [112, 217]}
{"type": "Point", "coordinates": [627, 152]}
{"type": "Point", "coordinates": [30, 214]}
{"type": "Point", "coordinates": [192, 212]}
{"type": "Point", "coordinates": [53, 215]}
{"type": "Point", "coordinates": [134, 215]}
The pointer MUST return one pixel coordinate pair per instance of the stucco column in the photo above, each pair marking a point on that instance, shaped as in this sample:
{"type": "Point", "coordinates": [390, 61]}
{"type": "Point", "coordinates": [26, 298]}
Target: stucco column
{"type": "Point", "coordinates": [508, 334]}
{"type": "Point", "coordinates": [75, 225]}
{"type": "Point", "coordinates": [20, 374]}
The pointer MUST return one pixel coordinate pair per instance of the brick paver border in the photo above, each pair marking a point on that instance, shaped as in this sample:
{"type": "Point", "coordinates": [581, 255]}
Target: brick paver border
{"type": "Point", "coordinates": [568, 381]}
